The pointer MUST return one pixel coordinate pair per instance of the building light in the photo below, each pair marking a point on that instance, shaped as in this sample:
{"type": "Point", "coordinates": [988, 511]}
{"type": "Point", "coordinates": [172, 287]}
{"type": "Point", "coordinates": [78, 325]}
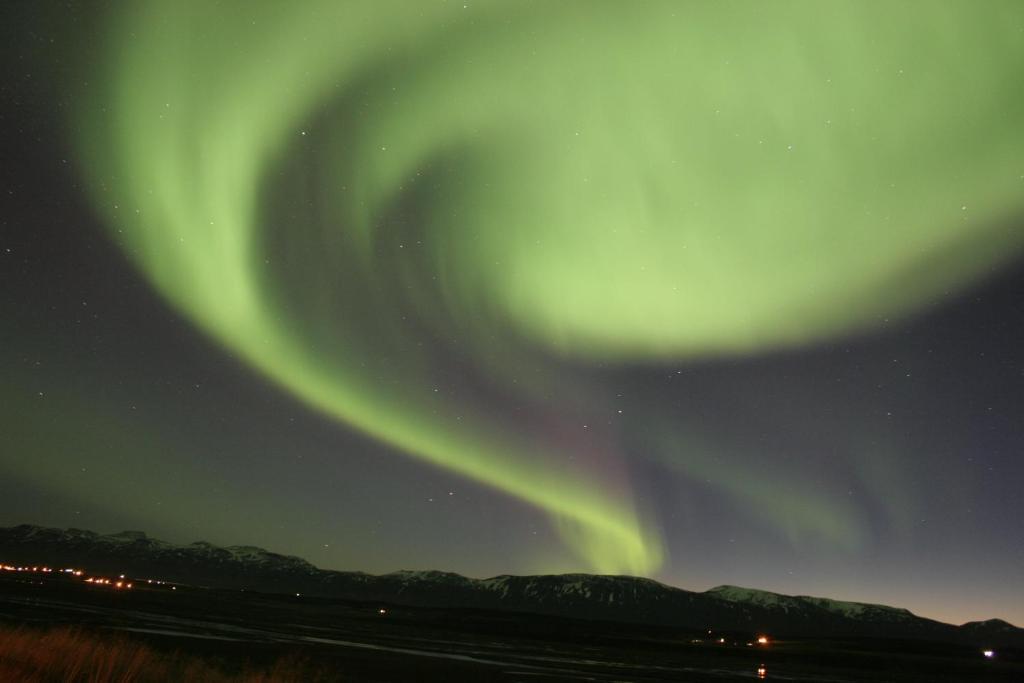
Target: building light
{"type": "Point", "coordinates": [989, 654]}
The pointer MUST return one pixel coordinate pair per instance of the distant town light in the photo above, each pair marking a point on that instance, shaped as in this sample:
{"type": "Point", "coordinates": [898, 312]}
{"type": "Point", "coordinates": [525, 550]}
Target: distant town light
{"type": "Point", "coordinates": [383, 611]}
{"type": "Point", "coordinates": [989, 653]}
{"type": "Point", "coordinates": [762, 640]}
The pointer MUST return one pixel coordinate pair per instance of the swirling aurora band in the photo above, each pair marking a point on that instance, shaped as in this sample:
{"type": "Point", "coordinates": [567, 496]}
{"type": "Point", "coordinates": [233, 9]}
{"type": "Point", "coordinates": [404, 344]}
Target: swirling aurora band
{"type": "Point", "coordinates": [344, 193]}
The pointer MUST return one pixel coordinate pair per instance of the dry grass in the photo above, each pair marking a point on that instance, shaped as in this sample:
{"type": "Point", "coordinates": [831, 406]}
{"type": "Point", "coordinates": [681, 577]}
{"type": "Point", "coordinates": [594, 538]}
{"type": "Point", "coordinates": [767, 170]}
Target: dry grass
{"type": "Point", "coordinates": [74, 655]}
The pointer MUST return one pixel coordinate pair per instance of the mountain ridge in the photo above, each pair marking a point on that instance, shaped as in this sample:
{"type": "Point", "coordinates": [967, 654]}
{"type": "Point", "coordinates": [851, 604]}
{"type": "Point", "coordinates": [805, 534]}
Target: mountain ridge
{"type": "Point", "coordinates": [587, 596]}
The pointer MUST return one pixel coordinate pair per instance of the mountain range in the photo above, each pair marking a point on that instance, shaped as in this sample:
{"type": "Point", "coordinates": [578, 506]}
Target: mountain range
{"type": "Point", "coordinates": [582, 596]}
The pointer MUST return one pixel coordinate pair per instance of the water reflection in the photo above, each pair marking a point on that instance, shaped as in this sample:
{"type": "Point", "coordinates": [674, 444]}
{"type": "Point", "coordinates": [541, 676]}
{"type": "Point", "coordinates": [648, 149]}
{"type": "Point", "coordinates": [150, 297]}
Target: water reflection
{"type": "Point", "coordinates": [762, 671]}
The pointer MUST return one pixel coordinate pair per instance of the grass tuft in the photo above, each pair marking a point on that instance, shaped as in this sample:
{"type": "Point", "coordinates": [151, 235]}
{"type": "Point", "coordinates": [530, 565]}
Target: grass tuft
{"type": "Point", "coordinates": [75, 655]}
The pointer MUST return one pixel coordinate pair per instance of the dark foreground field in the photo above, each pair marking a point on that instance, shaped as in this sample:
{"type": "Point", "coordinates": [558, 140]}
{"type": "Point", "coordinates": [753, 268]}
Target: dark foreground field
{"type": "Point", "coordinates": [53, 628]}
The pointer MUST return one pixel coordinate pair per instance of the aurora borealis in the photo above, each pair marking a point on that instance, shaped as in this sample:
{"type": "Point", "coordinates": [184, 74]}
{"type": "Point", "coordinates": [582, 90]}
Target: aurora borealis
{"type": "Point", "coordinates": [705, 292]}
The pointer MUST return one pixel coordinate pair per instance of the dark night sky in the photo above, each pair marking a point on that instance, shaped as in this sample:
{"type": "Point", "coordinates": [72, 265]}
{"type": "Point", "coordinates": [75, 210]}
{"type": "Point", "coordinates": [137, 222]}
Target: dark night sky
{"type": "Point", "coordinates": [487, 353]}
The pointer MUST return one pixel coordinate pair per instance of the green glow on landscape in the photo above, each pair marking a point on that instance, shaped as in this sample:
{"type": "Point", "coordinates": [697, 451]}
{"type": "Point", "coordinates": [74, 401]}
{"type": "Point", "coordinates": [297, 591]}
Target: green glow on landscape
{"type": "Point", "coordinates": [323, 187]}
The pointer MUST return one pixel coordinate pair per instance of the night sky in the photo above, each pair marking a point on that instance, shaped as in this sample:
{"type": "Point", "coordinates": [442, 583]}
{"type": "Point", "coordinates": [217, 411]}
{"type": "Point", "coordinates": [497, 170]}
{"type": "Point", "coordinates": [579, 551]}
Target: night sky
{"type": "Point", "coordinates": [706, 292]}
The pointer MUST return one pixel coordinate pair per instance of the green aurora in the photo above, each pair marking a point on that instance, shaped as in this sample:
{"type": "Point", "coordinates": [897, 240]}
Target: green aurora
{"type": "Point", "coordinates": [349, 195]}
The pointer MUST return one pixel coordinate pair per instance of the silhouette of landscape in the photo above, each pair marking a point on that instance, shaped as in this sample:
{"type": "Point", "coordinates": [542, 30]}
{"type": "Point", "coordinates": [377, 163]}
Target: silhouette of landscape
{"type": "Point", "coordinates": [129, 605]}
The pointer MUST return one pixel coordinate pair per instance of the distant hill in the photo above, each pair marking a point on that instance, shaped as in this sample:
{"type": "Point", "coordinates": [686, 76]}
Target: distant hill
{"type": "Point", "coordinates": [584, 596]}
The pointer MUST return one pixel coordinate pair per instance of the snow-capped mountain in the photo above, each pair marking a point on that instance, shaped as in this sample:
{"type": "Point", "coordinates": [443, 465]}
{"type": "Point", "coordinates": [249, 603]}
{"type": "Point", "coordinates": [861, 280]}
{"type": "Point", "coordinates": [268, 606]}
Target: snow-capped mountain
{"type": "Point", "coordinates": [584, 596]}
{"type": "Point", "coordinates": [136, 552]}
{"type": "Point", "coordinates": [802, 603]}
